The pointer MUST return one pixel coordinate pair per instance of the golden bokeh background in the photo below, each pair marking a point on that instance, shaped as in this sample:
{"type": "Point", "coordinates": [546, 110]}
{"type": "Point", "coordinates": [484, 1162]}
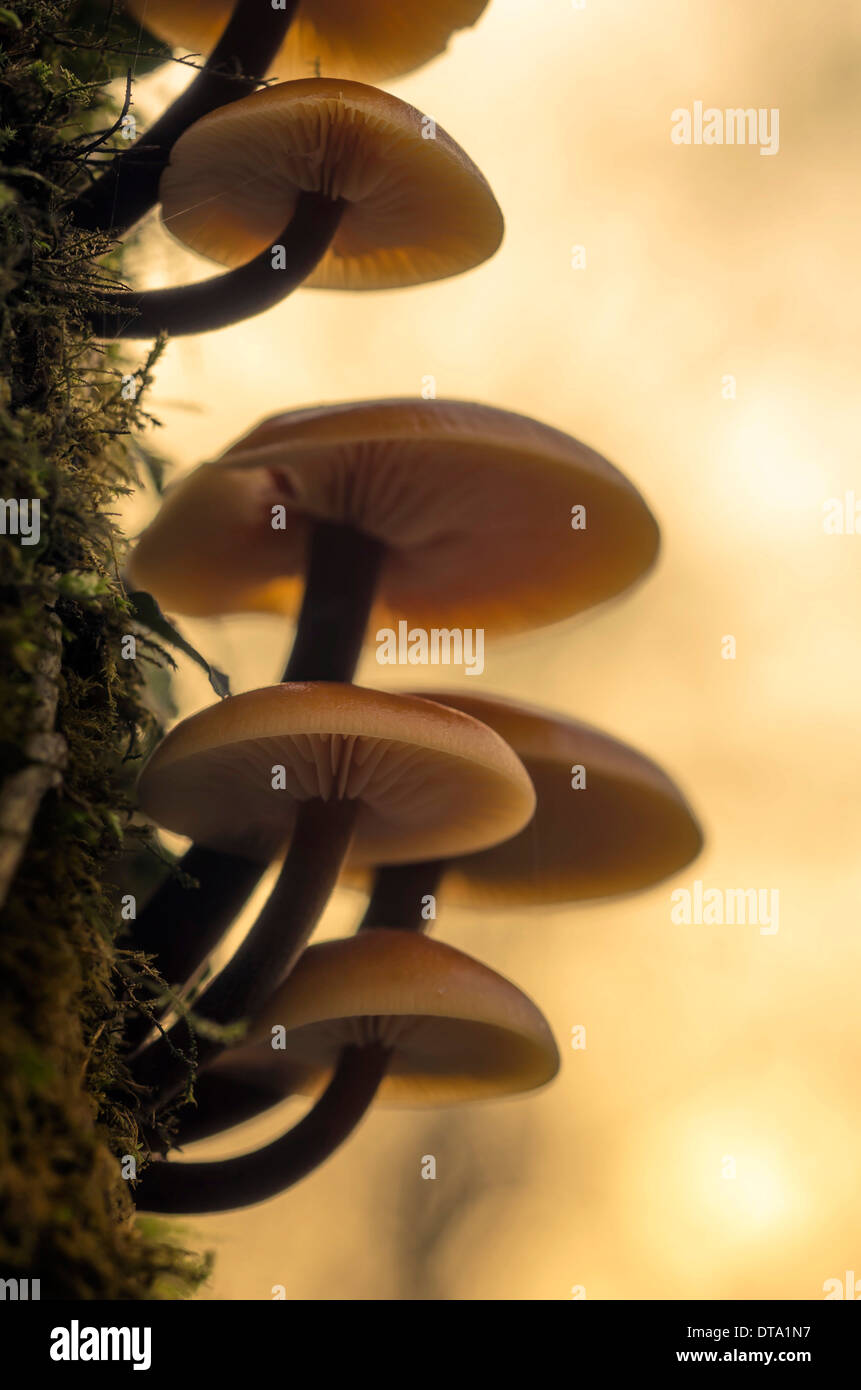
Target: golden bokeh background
{"type": "Point", "coordinates": [703, 1042]}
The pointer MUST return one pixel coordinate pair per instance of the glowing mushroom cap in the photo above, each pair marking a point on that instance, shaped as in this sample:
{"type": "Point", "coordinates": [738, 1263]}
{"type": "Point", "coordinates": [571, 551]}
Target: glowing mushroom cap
{"type": "Point", "coordinates": [627, 828]}
{"type": "Point", "coordinates": [458, 1031]}
{"type": "Point", "coordinates": [368, 39]}
{"type": "Point", "coordinates": [428, 780]}
{"type": "Point", "coordinates": [417, 208]}
{"type": "Point", "coordinates": [472, 503]}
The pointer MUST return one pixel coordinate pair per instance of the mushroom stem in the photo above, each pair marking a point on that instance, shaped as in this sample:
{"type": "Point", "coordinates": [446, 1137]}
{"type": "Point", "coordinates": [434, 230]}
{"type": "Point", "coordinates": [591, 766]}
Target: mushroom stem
{"type": "Point", "coordinates": [397, 897]}
{"type": "Point", "coordinates": [225, 299]}
{"type": "Point", "coordinates": [343, 572]}
{"type": "Point", "coordinates": [234, 69]}
{"type": "Point", "coordinates": [195, 1188]}
{"type": "Point", "coordinates": [180, 925]}
{"type": "Point", "coordinates": [224, 1098]}
{"type": "Point", "coordinates": [320, 843]}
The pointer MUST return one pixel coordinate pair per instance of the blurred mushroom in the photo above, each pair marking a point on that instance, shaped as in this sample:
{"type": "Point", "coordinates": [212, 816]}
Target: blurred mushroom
{"type": "Point", "coordinates": [338, 772]}
{"type": "Point", "coordinates": [328, 183]}
{"type": "Point", "coordinates": [371, 41]}
{"type": "Point", "coordinates": [402, 1017]}
{"type": "Point", "coordinates": [626, 828]}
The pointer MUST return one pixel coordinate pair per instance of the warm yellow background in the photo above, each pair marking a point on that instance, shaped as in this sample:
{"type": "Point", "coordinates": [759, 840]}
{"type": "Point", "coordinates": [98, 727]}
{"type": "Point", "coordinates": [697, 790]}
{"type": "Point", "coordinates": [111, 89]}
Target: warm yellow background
{"type": "Point", "coordinates": [703, 1042]}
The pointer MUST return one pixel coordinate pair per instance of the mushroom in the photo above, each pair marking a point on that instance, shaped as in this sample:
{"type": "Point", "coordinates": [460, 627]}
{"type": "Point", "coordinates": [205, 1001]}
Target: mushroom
{"type": "Point", "coordinates": [627, 828]}
{"type": "Point", "coordinates": [242, 44]}
{"type": "Point", "coordinates": [425, 511]}
{"type": "Point", "coordinates": [328, 183]}
{"type": "Point", "coordinates": [371, 41]}
{"type": "Point", "coordinates": [338, 772]}
{"type": "Point", "coordinates": [624, 828]}
{"type": "Point", "coordinates": [433, 511]}
{"type": "Point", "coordinates": [402, 1017]}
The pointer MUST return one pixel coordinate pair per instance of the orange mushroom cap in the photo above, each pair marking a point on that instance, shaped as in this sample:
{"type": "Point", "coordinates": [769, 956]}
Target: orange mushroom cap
{"type": "Point", "coordinates": [626, 829]}
{"type": "Point", "coordinates": [417, 208]}
{"type": "Point", "coordinates": [458, 1031]}
{"type": "Point", "coordinates": [366, 39]}
{"type": "Point", "coordinates": [473, 504]}
{"type": "Point", "coordinates": [428, 781]}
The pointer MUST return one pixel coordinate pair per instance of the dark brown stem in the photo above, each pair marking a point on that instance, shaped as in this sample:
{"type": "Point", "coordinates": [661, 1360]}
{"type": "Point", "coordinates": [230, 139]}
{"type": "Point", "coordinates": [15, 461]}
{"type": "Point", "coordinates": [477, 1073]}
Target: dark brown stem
{"type": "Point", "coordinates": [229, 1095]}
{"type": "Point", "coordinates": [229, 298]}
{"type": "Point", "coordinates": [397, 895]}
{"type": "Point", "coordinates": [183, 922]}
{"type": "Point", "coordinates": [340, 585]}
{"type": "Point", "coordinates": [179, 925]}
{"type": "Point", "coordinates": [243, 55]}
{"type": "Point", "coordinates": [235, 1090]}
{"type": "Point", "coordinates": [194, 1188]}
{"type": "Point", "coordinates": [320, 843]}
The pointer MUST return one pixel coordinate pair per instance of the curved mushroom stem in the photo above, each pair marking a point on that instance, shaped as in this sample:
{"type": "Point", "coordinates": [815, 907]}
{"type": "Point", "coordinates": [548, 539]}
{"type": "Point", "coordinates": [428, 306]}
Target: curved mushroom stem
{"type": "Point", "coordinates": [226, 299]}
{"type": "Point", "coordinates": [181, 924]}
{"type": "Point", "coordinates": [228, 1095]}
{"type": "Point", "coordinates": [225, 1099]}
{"type": "Point", "coordinates": [398, 893]}
{"type": "Point", "coordinates": [194, 1188]}
{"type": "Point", "coordinates": [248, 46]}
{"type": "Point", "coordinates": [343, 571]}
{"type": "Point", "coordinates": [320, 843]}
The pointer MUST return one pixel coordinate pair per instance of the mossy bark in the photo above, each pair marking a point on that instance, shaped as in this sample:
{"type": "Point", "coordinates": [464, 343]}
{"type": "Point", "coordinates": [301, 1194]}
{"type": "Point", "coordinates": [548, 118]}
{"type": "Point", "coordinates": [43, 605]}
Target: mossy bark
{"type": "Point", "coordinates": [74, 716]}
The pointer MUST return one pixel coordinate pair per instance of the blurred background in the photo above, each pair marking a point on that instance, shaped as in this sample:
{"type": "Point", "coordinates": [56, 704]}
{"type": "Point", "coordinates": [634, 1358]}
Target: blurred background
{"type": "Point", "coordinates": [703, 1043]}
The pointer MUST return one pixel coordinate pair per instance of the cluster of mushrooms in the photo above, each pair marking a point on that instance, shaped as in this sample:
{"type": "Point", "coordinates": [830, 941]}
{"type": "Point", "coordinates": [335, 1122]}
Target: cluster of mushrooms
{"type": "Point", "coordinates": [344, 518]}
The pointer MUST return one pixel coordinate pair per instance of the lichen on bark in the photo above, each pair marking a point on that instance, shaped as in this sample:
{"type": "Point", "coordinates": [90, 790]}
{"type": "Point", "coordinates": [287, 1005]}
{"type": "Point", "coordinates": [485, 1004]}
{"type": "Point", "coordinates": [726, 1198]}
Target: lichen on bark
{"type": "Point", "coordinates": [74, 714]}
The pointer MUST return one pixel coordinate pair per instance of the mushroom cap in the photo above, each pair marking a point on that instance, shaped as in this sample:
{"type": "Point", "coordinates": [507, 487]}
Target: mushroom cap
{"type": "Point", "coordinates": [472, 503]}
{"type": "Point", "coordinates": [627, 829]}
{"type": "Point", "coordinates": [417, 208]}
{"type": "Point", "coordinates": [458, 1031]}
{"type": "Point", "coordinates": [428, 780]}
{"type": "Point", "coordinates": [371, 40]}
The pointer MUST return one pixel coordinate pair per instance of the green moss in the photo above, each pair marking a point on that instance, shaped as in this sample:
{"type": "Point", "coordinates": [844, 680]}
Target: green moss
{"type": "Point", "coordinates": [74, 718]}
